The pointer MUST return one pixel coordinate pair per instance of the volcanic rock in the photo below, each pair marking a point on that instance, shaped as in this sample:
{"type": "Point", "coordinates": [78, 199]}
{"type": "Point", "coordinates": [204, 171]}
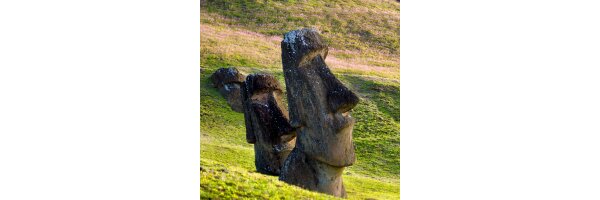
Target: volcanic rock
{"type": "Point", "coordinates": [319, 106]}
{"type": "Point", "coordinates": [229, 81]}
{"type": "Point", "coordinates": [267, 124]}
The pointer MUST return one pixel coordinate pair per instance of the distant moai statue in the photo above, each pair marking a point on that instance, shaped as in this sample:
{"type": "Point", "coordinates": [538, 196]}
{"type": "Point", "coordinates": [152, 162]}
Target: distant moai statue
{"type": "Point", "coordinates": [319, 106]}
{"type": "Point", "coordinates": [229, 82]}
{"type": "Point", "coordinates": [267, 124]}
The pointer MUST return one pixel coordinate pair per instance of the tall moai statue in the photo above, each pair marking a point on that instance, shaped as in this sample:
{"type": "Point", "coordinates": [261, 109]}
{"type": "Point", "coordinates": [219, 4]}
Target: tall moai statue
{"type": "Point", "coordinates": [229, 82]}
{"type": "Point", "coordinates": [267, 124]}
{"type": "Point", "coordinates": [319, 106]}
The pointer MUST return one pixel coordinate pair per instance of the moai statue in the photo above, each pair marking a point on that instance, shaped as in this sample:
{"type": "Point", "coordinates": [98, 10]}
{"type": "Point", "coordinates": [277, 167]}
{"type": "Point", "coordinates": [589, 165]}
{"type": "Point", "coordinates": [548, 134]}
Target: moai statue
{"type": "Point", "coordinates": [319, 107]}
{"type": "Point", "coordinates": [267, 125]}
{"type": "Point", "coordinates": [229, 82]}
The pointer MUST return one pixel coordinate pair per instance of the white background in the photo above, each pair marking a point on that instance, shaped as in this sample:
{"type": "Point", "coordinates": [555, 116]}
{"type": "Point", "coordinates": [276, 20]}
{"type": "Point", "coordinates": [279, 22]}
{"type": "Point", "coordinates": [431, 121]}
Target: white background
{"type": "Point", "coordinates": [500, 99]}
{"type": "Point", "coordinates": [99, 99]}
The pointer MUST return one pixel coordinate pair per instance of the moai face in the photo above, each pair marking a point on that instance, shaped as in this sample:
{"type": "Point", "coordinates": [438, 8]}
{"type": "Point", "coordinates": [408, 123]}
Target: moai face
{"type": "Point", "coordinates": [267, 125]}
{"type": "Point", "coordinates": [319, 103]}
{"type": "Point", "coordinates": [229, 81]}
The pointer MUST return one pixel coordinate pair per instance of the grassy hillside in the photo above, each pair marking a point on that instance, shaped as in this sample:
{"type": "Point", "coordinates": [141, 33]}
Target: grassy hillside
{"type": "Point", "coordinates": [372, 25]}
{"type": "Point", "coordinates": [235, 33]}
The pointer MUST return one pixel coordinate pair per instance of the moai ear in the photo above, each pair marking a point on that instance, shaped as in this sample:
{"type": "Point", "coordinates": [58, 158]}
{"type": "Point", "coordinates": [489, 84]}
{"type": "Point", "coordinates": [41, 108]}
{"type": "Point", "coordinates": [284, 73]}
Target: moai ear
{"type": "Point", "coordinates": [250, 137]}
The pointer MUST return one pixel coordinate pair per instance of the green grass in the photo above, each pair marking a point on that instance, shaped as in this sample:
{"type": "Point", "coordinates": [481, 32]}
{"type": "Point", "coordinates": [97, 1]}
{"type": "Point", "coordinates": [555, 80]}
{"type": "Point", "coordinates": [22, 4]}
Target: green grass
{"type": "Point", "coordinates": [376, 136]}
{"type": "Point", "coordinates": [246, 34]}
{"type": "Point", "coordinates": [219, 181]}
{"type": "Point", "coordinates": [225, 46]}
{"type": "Point", "coordinates": [346, 24]}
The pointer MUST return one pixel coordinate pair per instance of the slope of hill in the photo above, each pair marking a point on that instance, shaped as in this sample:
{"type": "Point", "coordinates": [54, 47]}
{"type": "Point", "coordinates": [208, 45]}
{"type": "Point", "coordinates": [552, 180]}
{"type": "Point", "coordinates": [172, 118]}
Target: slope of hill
{"type": "Point", "coordinates": [368, 25]}
{"type": "Point", "coordinates": [238, 33]}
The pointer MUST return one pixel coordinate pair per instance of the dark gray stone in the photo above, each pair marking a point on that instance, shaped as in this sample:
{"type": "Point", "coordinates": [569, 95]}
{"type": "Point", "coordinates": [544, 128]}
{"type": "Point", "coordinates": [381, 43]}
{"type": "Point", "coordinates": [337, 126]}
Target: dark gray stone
{"type": "Point", "coordinates": [229, 81]}
{"type": "Point", "coordinates": [319, 106]}
{"type": "Point", "coordinates": [267, 124]}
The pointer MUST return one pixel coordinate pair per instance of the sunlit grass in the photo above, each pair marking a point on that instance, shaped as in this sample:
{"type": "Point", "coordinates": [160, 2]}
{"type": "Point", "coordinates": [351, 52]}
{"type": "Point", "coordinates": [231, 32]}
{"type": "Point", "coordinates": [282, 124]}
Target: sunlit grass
{"type": "Point", "coordinates": [236, 47]}
{"type": "Point", "coordinates": [223, 181]}
{"type": "Point", "coordinates": [363, 54]}
{"type": "Point", "coordinates": [376, 136]}
{"type": "Point", "coordinates": [348, 24]}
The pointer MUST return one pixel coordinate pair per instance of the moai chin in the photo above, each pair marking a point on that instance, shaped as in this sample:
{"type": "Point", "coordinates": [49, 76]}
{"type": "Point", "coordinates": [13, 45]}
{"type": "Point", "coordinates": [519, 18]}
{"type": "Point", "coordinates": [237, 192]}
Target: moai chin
{"type": "Point", "coordinates": [319, 106]}
{"type": "Point", "coordinates": [267, 125]}
{"type": "Point", "coordinates": [229, 82]}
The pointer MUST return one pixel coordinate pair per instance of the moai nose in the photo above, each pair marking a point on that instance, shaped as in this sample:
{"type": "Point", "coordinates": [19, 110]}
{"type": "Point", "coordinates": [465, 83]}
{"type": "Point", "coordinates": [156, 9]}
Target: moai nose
{"type": "Point", "coordinates": [340, 98]}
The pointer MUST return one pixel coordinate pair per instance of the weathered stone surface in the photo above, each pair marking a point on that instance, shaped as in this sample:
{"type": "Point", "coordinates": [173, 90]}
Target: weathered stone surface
{"type": "Point", "coordinates": [229, 81]}
{"type": "Point", "coordinates": [267, 124]}
{"type": "Point", "coordinates": [319, 106]}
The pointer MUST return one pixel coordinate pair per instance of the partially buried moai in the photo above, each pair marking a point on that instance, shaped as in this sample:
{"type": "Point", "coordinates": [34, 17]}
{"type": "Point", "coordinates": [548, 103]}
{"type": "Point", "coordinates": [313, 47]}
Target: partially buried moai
{"type": "Point", "coordinates": [267, 125]}
{"type": "Point", "coordinates": [319, 106]}
{"type": "Point", "coordinates": [229, 82]}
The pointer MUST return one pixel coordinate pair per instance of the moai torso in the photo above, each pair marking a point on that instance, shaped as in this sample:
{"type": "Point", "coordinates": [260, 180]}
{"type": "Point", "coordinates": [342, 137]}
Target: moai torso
{"type": "Point", "coordinates": [319, 107]}
{"type": "Point", "coordinates": [267, 125]}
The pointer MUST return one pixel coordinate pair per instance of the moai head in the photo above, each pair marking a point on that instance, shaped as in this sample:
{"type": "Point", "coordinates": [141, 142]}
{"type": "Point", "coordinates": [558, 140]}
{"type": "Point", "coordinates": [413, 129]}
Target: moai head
{"type": "Point", "coordinates": [319, 103]}
{"type": "Point", "coordinates": [267, 125]}
{"type": "Point", "coordinates": [229, 81]}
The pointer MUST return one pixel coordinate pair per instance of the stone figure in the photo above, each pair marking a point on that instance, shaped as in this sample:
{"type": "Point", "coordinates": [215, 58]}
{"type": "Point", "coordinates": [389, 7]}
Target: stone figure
{"type": "Point", "coordinates": [267, 124]}
{"type": "Point", "coordinates": [319, 106]}
{"type": "Point", "coordinates": [229, 82]}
